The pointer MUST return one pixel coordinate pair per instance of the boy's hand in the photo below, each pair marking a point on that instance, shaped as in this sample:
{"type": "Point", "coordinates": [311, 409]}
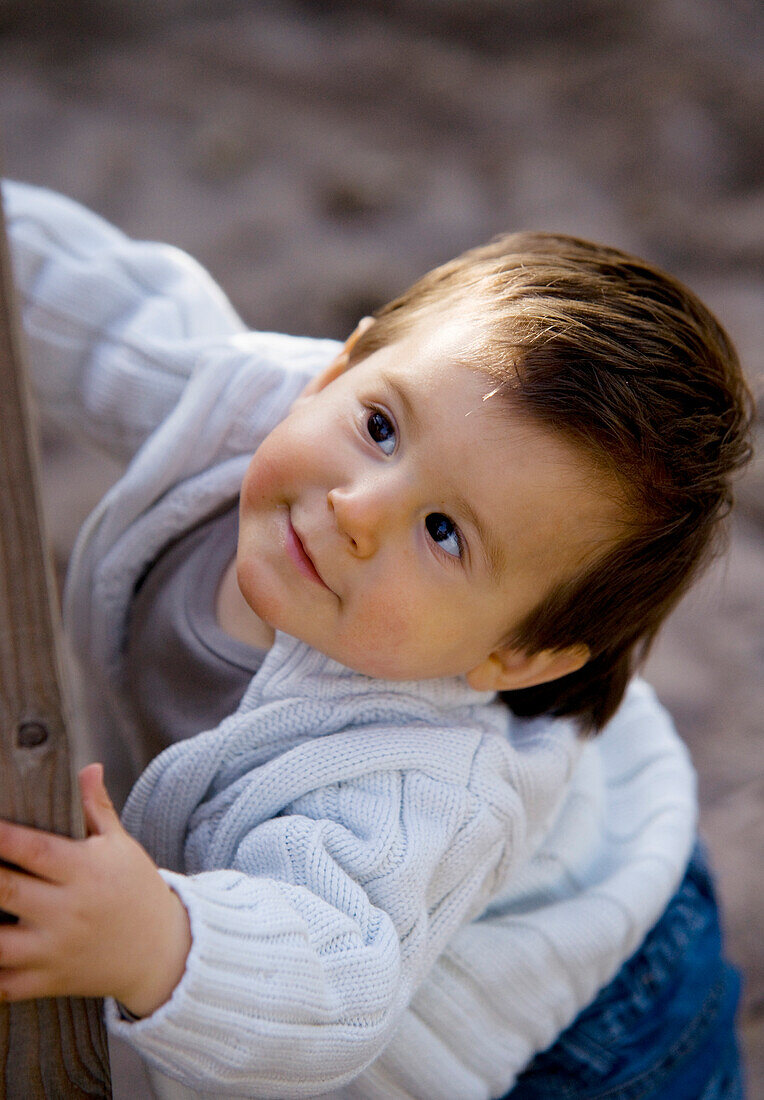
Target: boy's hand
{"type": "Point", "coordinates": [95, 916]}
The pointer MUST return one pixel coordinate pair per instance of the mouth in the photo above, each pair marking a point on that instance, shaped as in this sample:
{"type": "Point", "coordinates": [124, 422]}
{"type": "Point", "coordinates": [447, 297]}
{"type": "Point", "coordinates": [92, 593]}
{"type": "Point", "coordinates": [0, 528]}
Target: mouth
{"type": "Point", "coordinates": [300, 556]}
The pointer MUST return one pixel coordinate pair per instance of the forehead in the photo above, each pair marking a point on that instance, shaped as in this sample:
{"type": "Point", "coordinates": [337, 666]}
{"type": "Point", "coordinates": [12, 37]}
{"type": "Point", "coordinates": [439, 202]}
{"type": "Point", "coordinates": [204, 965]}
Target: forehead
{"type": "Point", "coordinates": [544, 504]}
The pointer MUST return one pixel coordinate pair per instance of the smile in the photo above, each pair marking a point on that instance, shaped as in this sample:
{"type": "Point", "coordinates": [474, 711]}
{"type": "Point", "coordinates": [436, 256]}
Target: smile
{"type": "Point", "coordinates": [300, 557]}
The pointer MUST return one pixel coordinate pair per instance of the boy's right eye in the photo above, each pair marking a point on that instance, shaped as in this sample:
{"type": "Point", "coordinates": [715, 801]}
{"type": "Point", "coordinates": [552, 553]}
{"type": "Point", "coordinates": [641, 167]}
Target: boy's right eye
{"type": "Point", "coordinates": [382, 430]}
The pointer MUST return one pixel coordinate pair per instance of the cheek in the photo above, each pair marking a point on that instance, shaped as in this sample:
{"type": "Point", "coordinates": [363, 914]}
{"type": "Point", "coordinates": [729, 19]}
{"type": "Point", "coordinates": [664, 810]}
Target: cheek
{"type": "Point", "coordinates": [383, 632]}
{"type": "Point", "coordinates": [267, 474]}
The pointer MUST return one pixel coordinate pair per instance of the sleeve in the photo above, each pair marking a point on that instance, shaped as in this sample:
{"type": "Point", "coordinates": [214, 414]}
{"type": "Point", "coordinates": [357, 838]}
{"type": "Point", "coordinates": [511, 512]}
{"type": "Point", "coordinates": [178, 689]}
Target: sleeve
{"type": "Point", "coordinates": [307, 951]}
{"type": "Point", "coordinates": [114, 328]}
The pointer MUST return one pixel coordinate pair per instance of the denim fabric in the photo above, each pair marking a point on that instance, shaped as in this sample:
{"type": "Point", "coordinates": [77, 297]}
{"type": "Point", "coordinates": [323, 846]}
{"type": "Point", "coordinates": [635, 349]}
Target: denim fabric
{"type": "Point", "coordinates": [663, 1029]}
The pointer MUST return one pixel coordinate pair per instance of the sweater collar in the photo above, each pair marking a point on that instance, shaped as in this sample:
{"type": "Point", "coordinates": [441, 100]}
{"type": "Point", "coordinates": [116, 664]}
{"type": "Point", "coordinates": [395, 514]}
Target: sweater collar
{"type": "Point", "coordinates": [290, 661]}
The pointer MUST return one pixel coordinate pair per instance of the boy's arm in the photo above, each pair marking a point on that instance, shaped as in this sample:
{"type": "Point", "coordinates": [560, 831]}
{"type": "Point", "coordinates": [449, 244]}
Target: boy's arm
{"type": "Point", "coordinates": [114, 327]}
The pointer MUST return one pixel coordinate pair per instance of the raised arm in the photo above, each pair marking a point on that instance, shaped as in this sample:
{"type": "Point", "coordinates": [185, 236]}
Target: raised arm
{"type": "Point", "coordinates": [115, 327]}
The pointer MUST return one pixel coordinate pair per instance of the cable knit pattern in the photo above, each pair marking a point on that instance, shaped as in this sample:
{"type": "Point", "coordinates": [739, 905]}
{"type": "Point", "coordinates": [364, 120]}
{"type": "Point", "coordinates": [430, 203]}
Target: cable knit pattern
{"type": "Point", "coordinates": [362, 822]}
{"type": "Point", "coordinates": [395, 890]}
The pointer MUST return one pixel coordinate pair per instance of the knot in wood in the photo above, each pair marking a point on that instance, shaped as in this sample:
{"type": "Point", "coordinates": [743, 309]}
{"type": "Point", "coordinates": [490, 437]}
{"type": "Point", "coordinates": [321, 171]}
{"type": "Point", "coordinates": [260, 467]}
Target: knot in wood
{"type": "Point", "coordinates": [31, 734]}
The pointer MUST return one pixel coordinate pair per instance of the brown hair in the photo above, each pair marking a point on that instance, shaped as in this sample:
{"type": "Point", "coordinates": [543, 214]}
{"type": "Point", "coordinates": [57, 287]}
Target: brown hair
{"type": "Point", "coordinates": [627, 363]}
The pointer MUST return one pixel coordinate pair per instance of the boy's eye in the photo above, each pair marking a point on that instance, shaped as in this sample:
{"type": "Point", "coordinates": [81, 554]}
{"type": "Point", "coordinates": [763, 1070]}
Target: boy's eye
{"type": "Point", "coordinates": [443, 531]}
{"type": "Point", "coordinates": [382, 431]}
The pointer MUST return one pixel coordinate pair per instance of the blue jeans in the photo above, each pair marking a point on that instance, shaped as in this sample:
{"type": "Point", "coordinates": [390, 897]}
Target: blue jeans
{"type": "Point", "coordinates": [663, 1029]}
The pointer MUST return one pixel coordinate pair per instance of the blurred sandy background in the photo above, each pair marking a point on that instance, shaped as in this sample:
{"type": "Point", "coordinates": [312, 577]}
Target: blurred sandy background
{"type": "Point", "coordinates": [317, 157]}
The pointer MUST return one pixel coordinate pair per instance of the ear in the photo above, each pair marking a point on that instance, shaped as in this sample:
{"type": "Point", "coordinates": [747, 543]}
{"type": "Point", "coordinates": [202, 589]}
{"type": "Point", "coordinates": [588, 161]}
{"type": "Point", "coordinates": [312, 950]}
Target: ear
{"type": "Point", "coordinates": [509, 669]}
{"type": "Point", "coordinates": [339, 364]}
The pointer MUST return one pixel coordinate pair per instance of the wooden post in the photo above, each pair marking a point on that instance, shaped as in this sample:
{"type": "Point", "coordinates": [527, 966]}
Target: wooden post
{"type": "Point", "coordinates": [57, 1048]}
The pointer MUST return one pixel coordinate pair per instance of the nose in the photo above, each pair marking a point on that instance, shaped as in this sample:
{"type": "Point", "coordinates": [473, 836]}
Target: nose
{"type": "Point", "coordinates": [365, 513]}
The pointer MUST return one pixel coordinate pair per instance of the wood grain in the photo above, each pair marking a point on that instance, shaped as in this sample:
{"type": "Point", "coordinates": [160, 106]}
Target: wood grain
{"type": "Point", "coordinates": [53, 1049]}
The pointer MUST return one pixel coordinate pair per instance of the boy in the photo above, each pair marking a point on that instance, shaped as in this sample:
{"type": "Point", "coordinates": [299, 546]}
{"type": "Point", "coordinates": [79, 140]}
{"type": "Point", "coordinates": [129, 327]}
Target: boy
{"type": "Point", "coordinates": [502, 483]}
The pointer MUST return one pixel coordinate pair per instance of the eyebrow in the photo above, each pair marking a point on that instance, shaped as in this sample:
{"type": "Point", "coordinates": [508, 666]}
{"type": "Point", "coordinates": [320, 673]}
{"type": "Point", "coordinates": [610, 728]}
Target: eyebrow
{"type": "Point", "coordinates": [400, 391]}
{"type": "Point", "coordinates": [493, 551]}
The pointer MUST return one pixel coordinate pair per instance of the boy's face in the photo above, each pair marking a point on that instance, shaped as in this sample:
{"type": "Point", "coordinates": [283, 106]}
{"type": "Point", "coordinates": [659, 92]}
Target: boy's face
{"type": "Point", "coordinates": [402, 525]}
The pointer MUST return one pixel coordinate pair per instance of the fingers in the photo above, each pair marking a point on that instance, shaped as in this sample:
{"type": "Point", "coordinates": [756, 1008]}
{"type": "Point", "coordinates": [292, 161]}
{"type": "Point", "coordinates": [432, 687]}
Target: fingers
{"type": "Point", "coordinates": [100, 815]}
{"type": "Point", "coordinates": [26, 985]}
{"type": "Point", "coordinates": [24, 896]}
{"type": "Point", "coordinates": [19, 947]}
{"type": "Point", "coordinates": [40, 853]}
{"type": "Point", "coordinates": [24, 972]}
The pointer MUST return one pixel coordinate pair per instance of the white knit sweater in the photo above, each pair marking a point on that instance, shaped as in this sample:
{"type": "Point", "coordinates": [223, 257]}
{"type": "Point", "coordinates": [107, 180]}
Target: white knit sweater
{"type": "Point", "coordinates": [395, 890]}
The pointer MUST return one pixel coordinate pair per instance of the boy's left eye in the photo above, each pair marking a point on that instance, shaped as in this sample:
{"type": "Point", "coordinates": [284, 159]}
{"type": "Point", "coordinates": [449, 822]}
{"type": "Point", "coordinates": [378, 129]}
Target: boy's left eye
{"type": "Point", "coordinates": [444, 531]}
{"type": "Point", "coordinates": [382, 431]}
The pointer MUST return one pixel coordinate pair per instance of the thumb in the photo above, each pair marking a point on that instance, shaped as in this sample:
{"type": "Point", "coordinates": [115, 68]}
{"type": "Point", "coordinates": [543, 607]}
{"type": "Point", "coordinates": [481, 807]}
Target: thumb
{"type": "Point", "coordinates": [100, 815]}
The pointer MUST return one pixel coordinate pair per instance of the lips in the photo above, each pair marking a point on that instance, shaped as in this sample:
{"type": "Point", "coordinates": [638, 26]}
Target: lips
{"type": "Point", "coordinates": [299, 555]}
